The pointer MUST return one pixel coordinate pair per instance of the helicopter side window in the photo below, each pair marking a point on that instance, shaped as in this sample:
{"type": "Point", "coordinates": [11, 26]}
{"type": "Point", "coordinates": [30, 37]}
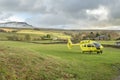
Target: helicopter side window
{"type": "Point", "coordinates": [92, 45]}
{"type": "Point", "coordinates": [89, 45]}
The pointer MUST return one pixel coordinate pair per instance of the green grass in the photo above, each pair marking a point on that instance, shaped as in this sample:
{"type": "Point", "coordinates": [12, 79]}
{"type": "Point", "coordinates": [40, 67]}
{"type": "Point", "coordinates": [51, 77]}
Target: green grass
{"type": "Point", "coordinates": [28, 61]}
{"type": "Point", "coordinates": [3, 36]}
{"type": "Point", "coordinates": [108, 42]}
{"type": "Point", "coordinates": [43, 33]}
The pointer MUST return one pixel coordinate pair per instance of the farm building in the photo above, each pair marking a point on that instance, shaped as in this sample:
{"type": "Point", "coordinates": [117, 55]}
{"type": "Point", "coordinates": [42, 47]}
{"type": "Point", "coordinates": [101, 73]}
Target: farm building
{"type": "Point", "coordinates": [117, 43]}
{"type": "Point", "coordinates": [102, 37]}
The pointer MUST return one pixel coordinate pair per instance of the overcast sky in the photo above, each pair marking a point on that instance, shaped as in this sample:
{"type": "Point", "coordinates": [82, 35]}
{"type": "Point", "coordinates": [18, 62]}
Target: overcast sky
{"type": "Point", "coordinates": [64, 14]}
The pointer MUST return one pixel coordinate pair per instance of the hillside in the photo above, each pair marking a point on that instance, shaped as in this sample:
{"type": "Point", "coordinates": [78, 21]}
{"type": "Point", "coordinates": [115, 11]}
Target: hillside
{"type": "Point", "coordinates": [16, 25]}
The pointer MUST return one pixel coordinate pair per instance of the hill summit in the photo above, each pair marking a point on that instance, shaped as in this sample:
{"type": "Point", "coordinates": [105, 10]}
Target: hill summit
{"type": "Point", "coordinates": [16, 25]}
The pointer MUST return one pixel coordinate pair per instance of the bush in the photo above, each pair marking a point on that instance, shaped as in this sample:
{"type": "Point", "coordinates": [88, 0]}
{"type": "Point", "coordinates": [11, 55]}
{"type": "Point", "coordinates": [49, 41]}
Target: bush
{"type": "Point", "coordinates": [27, 37]}
{"type": "Point", "coordinates": [15, 38]}
{"type": "Point", "coordinates": [46, 37]}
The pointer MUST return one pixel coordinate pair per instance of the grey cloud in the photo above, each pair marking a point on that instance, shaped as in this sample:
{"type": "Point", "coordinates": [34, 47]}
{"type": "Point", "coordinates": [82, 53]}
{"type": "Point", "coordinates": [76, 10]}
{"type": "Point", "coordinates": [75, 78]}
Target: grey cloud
{"type": "Point", "coordinates": [61, 12]}
{"type": "Point", "coordinates": [6, 5]}
{"type": "Point", "coordinates": [28, 6]}
{"type": "Point", "coordinates": [76, 6]}
{"type": "Point", "coordinates": [114, 8]}
{"type": "Point", "coordinates": [65, 6]}
{"type": "Point", "coordinates": [50, 20]}
{"type": "Point", "coordinates": [4, 16]}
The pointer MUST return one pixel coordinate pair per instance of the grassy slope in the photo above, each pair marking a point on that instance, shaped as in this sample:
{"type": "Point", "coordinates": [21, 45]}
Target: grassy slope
{"type": "Point", "coordinates": [50, 62]}
{"type": "Point", "coordinates": [42, 33]}
{"type": "Point", "coordinates": [18, 63]}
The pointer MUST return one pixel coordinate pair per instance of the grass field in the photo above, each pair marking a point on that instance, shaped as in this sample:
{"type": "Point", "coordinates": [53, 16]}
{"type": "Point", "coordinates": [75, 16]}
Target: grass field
{"type": "Point", "coordinates": [42, 33]}
{"type": "Point", "coordinates": [29, 61]}
{"type": "Point", "coordinates": [108, 42]}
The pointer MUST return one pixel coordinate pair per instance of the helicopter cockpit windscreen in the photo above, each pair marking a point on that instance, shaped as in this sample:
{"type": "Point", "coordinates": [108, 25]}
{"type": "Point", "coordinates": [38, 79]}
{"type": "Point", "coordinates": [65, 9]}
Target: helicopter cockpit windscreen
{"type": "Point", "coordinates": [97, 45]}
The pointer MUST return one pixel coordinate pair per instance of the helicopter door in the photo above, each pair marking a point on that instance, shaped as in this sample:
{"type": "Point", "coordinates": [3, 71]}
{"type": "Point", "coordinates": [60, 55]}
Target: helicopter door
{"type": "Point", "coordinates": [91, 47]}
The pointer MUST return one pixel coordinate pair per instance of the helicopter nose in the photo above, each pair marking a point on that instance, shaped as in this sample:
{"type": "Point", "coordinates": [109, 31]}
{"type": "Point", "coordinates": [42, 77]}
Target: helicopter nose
{"type": "Point", "coordinates": [98, 47]}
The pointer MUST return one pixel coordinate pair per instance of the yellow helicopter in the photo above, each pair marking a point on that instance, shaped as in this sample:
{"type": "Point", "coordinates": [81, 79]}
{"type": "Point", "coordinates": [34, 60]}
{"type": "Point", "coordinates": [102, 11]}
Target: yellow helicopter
{"type": "Point", "coordinates": [87, 46]}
